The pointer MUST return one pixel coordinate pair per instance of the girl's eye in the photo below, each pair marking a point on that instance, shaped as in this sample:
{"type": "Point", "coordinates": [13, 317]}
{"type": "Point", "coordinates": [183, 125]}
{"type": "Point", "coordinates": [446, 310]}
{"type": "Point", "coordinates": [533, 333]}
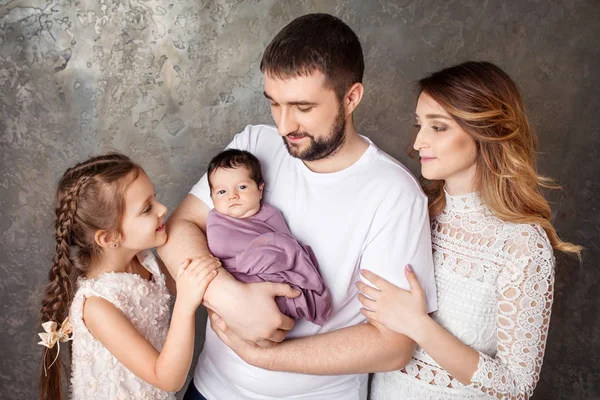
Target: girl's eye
{"type": "Point", "coordinates": [439, 128]}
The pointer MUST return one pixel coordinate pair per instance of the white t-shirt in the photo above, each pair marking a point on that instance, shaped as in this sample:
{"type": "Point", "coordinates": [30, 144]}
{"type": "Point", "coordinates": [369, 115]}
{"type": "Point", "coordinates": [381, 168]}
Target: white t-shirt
{"type": "Point", "coordinates": [371, 215]}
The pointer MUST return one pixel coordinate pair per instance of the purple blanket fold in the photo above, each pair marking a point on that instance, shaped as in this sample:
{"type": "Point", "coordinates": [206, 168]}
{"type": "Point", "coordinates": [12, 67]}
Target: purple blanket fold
{"type": "Point", "coordinates": [261, 248]}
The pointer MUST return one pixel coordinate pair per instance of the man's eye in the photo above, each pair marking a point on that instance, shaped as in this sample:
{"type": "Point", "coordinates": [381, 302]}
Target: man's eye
{"type": "Point", "coordinates": [304, 109]}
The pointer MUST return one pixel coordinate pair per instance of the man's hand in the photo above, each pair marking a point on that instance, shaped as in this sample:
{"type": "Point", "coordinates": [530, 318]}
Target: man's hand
{"type": "Point", "coordinates": [252, 314]}
{"type": "Point", "coordinates": [247, 351]}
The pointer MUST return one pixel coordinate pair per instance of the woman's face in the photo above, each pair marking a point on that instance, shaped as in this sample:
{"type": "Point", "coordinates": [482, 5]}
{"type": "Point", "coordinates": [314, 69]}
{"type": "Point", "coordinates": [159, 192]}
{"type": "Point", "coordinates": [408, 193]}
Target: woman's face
{"type": "Point", "coordinates": [447, 152]}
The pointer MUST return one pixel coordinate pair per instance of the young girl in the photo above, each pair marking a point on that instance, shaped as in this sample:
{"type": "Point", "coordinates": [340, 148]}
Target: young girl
{"type": "Point", "coordinates": [111, 286]}
{"type": "Point", "coordinates": [492, 242]}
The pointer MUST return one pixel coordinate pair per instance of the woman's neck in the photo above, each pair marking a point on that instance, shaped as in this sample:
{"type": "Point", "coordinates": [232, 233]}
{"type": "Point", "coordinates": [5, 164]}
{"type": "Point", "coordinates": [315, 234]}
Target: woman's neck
{"type": "Point", "coordinates": [461, 183]}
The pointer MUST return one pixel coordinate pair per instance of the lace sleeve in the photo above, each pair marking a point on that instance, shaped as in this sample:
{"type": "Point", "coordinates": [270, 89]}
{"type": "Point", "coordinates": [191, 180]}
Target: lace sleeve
{"type": "Point", "coordinates": [525, 293]}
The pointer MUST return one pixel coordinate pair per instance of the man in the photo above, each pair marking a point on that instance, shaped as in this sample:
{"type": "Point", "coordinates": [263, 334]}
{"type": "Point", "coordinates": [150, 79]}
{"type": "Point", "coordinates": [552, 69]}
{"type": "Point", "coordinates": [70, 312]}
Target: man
{"type": "Point", "coordinates": [353, 204]}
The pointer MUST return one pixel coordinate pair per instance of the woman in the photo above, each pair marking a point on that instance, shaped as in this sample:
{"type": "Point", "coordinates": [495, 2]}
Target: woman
{"type": "Point", "coordinates": [493, 247]}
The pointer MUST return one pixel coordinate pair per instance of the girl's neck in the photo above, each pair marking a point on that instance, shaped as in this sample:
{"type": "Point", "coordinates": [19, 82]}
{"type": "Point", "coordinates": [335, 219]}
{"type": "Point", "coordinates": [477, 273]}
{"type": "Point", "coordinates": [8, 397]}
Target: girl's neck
{"type": "Point", "coordinates": [113, 261]}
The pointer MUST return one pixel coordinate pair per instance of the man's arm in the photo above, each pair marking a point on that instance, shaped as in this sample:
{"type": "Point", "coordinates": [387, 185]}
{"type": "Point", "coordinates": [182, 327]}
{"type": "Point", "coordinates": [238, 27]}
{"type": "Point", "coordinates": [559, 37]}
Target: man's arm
{"type": "Point", "coordinates": [362, 348]}
{"type": "Point", "coordinates": [399, 235]}
{"type": "Point", "coordinates": [241, 305]}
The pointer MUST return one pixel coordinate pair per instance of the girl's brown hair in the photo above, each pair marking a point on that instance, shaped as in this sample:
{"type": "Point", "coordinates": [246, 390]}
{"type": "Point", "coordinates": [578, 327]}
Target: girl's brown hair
{"type": "Point", "coordinates": [486, 103]}
{"type": "Point", "coordinates": [90, 197]}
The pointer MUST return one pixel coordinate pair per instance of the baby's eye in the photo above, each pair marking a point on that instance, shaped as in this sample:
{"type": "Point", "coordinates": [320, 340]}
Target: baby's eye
{"type": "Point", "coordinates": [221, 191]}
{"type": "Point", "coordinates": [242, 187]}
{"type": "Point", "coordinates": [147, 209]}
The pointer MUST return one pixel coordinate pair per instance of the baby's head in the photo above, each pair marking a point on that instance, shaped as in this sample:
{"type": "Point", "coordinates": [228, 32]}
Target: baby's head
{"type": "Point", "coordinates": [236, 183]}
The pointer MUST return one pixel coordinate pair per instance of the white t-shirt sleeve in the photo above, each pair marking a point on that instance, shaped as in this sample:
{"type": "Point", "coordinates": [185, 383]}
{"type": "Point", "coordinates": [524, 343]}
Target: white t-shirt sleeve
{"type": "Point", "coordinates": [241, 141]}
{"type": "Point", "coordinates": [400, 235]}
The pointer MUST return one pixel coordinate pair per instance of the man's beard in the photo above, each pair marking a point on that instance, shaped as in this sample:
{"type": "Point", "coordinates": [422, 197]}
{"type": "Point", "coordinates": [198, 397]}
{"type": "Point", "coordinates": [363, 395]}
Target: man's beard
{"type": "Point", "coordinates": [319, 149]}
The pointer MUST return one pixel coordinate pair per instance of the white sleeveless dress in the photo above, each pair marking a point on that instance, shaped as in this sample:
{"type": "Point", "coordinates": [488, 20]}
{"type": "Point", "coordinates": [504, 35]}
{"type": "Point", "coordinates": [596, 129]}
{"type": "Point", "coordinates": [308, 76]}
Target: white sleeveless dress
{"type": "Point", "coordinates": [495, 284]}
{"type": "Point", "coordinates": [96, 373]}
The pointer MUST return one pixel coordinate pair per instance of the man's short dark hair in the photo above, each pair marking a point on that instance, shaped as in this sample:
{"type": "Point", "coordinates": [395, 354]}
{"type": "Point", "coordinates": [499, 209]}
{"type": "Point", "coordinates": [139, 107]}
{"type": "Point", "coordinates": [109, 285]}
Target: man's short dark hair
{"type": "Point", "coordinates": [233, 158]}
{"type": "Point", "coordinates": [316, 42]}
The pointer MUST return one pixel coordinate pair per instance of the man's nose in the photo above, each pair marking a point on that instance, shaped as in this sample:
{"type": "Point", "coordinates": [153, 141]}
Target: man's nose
{"type": "Point", "coordinates": [286, 122]}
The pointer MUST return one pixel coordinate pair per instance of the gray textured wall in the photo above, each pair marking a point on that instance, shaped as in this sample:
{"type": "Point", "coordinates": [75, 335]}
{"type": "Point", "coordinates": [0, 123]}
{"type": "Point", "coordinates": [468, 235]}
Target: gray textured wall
{"type": "Point", "coordinates": [169, 83]}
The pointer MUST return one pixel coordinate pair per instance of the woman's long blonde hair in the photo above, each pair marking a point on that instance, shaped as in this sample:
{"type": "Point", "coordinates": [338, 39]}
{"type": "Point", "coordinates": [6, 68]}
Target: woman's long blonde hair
{"type": "Point", "coordinates": [486, 103]}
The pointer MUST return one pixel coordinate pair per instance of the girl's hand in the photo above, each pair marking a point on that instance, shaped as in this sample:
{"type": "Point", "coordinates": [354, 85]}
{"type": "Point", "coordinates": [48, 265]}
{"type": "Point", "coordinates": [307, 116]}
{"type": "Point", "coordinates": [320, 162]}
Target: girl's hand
{"type": "Point", "coordinates": [193, 278]}
{"type": "Point", "coordinates": [402, 311]}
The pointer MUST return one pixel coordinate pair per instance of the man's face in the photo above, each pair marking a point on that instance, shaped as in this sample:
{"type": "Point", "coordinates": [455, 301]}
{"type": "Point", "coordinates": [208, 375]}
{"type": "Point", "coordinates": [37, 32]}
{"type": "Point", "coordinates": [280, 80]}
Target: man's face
{"type": "Point", "coordinates": [308, 115]}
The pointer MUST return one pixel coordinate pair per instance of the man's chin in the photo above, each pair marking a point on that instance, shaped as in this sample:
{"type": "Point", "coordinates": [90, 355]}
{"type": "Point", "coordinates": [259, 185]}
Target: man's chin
{"type": "Point", "coordinates": [295, 150]}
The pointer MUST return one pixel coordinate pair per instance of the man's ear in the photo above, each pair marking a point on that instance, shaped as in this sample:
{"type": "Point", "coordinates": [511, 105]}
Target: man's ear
{"type": "Point", "coordinates": [107, 239]}
{"type": "Point", "coordinates": [353, 97]}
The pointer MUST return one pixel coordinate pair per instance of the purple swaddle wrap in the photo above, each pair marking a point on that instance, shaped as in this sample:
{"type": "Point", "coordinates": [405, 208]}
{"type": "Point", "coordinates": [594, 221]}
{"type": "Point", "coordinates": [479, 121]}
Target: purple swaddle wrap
{"type": "Point", "coordinates": [261, 248]}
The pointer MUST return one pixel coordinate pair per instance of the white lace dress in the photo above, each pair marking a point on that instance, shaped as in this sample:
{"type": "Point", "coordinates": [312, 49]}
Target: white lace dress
{"type": "Point", "coordinates": [495, 284]}
{"type": "Point", "coordinates": [96, 373]}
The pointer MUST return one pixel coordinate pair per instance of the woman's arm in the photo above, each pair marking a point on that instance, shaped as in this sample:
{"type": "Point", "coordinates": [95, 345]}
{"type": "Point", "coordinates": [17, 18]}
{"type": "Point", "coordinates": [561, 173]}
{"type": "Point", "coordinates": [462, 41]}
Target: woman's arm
{"type": "Point", "coordinates": [404, 312]}
{"type": "Point", "coordinates": [167, 369]}
{"type": "Point", "coordinates": [525, 297]}
{"type": "Point", "coordinates": [524, 305]}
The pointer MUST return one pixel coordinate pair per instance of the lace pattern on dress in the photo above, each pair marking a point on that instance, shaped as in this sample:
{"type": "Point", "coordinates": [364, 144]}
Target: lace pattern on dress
{"type": "Point", "coordinates": [495, 283]}
{"type": "Point", "coordinates": [97, 374]}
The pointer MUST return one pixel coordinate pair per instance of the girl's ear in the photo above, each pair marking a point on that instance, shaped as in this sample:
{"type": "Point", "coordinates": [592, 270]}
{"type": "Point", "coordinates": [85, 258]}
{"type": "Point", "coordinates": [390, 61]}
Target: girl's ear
{"type": "Point", "coordinates": [106, 239]}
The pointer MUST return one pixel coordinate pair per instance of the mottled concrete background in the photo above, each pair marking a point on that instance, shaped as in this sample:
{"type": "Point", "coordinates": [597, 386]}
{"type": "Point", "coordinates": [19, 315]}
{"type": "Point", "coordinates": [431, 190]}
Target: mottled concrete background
{"type": "Point", "coordinates": [169, 83]}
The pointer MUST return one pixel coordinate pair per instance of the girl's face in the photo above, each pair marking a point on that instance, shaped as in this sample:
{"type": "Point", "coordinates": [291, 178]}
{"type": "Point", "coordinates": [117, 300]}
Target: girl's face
{"type": "Point", "coordinates": [144, 218]}
{"type": "Point", "coordinates": [447, 152]}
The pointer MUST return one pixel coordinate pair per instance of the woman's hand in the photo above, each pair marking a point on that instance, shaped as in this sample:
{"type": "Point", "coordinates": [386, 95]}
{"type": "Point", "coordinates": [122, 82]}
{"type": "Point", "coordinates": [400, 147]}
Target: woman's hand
{"type": "Point", "coordinates": [402, 311]}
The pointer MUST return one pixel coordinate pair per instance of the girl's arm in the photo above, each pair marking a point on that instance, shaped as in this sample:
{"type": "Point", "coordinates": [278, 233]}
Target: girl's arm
{"type": "Point", "coordinates": [167, 369]}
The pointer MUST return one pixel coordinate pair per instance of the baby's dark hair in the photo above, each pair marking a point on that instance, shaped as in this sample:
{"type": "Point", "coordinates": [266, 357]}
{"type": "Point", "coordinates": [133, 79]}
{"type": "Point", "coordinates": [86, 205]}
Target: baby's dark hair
{"type": "Point", "coordinates": [234, 158]}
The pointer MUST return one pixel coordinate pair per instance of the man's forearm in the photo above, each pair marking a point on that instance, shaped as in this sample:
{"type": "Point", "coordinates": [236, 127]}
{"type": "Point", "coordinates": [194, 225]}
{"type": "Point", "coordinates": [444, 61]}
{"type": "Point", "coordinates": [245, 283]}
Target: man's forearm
{"type": "Point", "coordinates": [357, 349]}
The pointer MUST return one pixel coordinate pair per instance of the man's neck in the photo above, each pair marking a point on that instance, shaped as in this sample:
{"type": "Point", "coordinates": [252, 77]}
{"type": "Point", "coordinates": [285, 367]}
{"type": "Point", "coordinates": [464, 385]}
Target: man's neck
{"type": "Point", "coordinates": [347, 154]}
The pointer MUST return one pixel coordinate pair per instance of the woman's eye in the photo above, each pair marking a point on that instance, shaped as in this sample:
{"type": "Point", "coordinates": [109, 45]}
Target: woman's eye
{"type": "Point", "coordinates": [417, 126]}
{"type": "Point", "coordinates": [439, 128]}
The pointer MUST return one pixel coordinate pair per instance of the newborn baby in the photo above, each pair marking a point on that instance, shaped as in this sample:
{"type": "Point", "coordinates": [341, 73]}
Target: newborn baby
{"type": "Point", "coordinates": [253, 241]}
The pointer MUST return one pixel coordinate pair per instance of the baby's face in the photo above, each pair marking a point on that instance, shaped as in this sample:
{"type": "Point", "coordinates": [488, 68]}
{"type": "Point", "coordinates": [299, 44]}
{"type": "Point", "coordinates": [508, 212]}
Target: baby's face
{"type": "Point", "coordinates": [234, 193]}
